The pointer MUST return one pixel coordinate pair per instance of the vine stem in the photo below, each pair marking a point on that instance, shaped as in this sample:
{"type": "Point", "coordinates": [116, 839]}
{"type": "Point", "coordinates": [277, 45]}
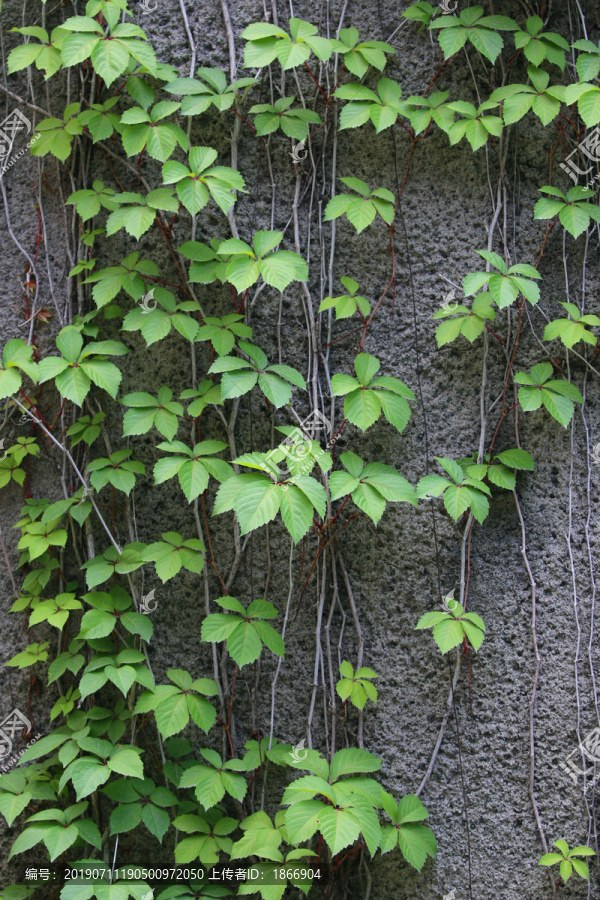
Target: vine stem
{"type": "Point", "coordinates": [310, 72]}
{"type": "Point", "coordinates": [207, 606]}
{"type": "Point", "coordinates": [534, 688]}
{"type": "Point", "coordinates": [505, 411]}
{"type": "Point", "coordinates": [319, 651]}
{"type": "Point", "coordinates": [462, 781]}
{"type": "Point", "coordinates": [283, 630]}
{"type": "Point", "coordinates": [78, 473]}
{"type": "Point", "coordinates": [8, 566]}
{"type": "Point", "coordinates": [436, 749]}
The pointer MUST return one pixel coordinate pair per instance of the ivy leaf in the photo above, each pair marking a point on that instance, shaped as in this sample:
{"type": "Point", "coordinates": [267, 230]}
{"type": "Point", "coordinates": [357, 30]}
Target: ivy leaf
{"type": "Point", "coordinates": [359, 56]}
{"type": "Point", "coordinates": [79, 366]}
{"type": "Point", "coordinates": [161, 411]}
{"type": "Point", "coordinates": [558, 396]}
{"type": "Point", "coordinates": [256, 498]}
{"type": "Point", "coordinates": [89, 202]}
{"type": "Point", "coordinates": [200, 180]}
{"type": "Point", "coordinates": [173, 706]}
{"type": "Point", "coordinates": [293, 122]}
{"type": "Point", "coordinates": [382, 108]}
{"type": "Point", "coordinates": [222, 333]}
{"type": "Point", "coordinates": [371, 487]}
{"type": "Point", "coordinates": [451, 628]}
{"type": "Point", "coordinates": [246, 264]}
{"type": "Point", "coordinates": [416, 843]}
{"type": "Point", "coordinates": [356, 686]}
{"type": "Point", "coordinates": [212, 89]}
{"type": "Point", "coordinates": [296, 512]}
{"type": "Point", "coordinates": [573, 209]}
{"type": "Point", "coordinates": [174, 553]}
{"type": "Point", "coordinates": [369, 396]}
{"type": "Point", "coordinates": [240, 376]}
{"type": "Point", "coordinates": [347, 304]}
{"type": "Point", "coordinates": [480, 30]}
{"type": "Point", "coordinates": [266, 42]}
{"type": "Point", "coordinates": [572, 330]}
{"type": "Point", "coordinates": [16, 355]}
{"type": "Point", "coordinates": [118, 470]}
{"type": "Point", "coordinates": [467, 491]}
{"type": "Point", "coordinates": [12, 805]}
{"type": "Point", "coordinates": [55, 136]}
{"type": "Point", "coordinates": [246, 632]}
{"type": "Point", "coordinates": [538, 47]}
{"type": "Point", "coordinates": [193, 467]}
{"type": "Point", "coordinates": [361, 207]}
{"type": "Point", "coordinates": [213, 781]}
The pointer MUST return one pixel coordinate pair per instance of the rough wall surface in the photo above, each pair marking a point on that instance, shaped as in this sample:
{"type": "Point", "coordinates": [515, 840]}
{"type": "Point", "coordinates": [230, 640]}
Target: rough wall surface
{"type": "Point", "coordinates": [445, 214]}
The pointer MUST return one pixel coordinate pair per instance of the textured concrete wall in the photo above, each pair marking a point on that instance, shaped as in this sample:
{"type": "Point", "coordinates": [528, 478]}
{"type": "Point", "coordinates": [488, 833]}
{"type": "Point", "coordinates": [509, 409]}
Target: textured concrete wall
{"type": "Point", "coordinates": [445, 211]}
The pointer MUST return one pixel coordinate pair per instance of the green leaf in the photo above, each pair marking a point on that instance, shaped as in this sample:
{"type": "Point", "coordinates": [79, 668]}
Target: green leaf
{"type": "Point", "coordinates": [502, 477]}
{"type": "Point", "coordinates": [257, 503]}
{"type": "Point", "coordinates": [517, 459]}
{"type": "Point", "coordinates": [57, 840]}
{"type": "Point", "coordinates": [416, 843]}
{"type": "Point", "coordinates": [369, 500]}
{"type": "Point", "coordinates": [125, 817]}
{"type": "Point", "coordinates": [126, 761]}
{"type": "Point", "coordinates": [456, 501]}
{"type": "Point", "coordinates": [487, 42]}
{"type": "Point", "coordinates": [244, 644]}
{"type": "Point", "coordinates": [339, 827]}
{"type": "Point", "coordinates": [156, 820]}
{"type": "Point", "coordinates": [12, 805]}
{"type": "Point", "coordinates": [172, 715]}
{"type": "Point", "coordinates": [362, 408]}
{"type": "Point", "coordinates": [574, 218]}
{"type": "Point", "coordinates": [296, 512]}
{"type": "Point", "coordinates": [275, 389]}
{"type": "Point", "coordinates": [104, 374]}
{"type": "Point", "coordinates": [110, 59]}
{"type": "Point", "coordinates": [27, 839]}
{"type": "Point", "coordinates": [87, 775]}
{"type": "Point", "coordinates": [448, 634]}
{"type": "Point", "coordinates": [279, 269]}
{"type": "Point", "coordinates": [73, 384]}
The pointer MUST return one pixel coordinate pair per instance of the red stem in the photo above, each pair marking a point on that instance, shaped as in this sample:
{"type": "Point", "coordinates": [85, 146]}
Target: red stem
{"type": "Point", "coordinates": [325, 97]}
{"type": "Point", "coordinates": [240, 116]}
